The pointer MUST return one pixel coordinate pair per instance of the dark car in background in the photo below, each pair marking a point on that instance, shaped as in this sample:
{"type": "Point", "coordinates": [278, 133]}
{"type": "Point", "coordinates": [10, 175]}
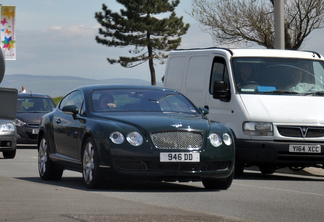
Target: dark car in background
{"type": "Point", "coordinates": [141, 132]}
{"type": "Point", "coordinates": [30, 109]}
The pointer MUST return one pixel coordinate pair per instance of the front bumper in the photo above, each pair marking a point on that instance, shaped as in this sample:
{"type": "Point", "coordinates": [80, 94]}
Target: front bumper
{"type": "Point", "coordinates": [252, 152]}
{"type": "Point", "coordinates": [174, 171]}
{"type": "Point", "coordinates": [212, 164]}
{"type": "Point", "coordinates": [27, 135]}
{"type": "Point", "coordinates": [7, 142]}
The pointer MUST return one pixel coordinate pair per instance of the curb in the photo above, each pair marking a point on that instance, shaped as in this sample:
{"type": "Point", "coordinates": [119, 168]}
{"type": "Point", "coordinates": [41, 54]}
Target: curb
{"type": "Point", "coordinates": [315, 171]}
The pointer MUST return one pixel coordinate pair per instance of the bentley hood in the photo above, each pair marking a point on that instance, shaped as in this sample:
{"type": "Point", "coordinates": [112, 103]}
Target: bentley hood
{"type": "Point", "coordinates": [163, 122]}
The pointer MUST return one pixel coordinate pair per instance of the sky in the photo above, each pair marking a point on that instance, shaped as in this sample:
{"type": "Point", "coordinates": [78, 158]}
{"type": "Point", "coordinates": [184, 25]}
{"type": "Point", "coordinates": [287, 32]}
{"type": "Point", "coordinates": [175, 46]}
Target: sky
{"type": "Point", "coordinates": [57, 38]}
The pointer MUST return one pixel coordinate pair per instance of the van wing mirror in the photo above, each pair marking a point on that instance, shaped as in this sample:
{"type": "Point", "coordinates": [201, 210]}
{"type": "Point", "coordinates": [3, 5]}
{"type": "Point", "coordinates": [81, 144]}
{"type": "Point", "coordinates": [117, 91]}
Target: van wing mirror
{"type": "Point", "coordinates": [221, 91]}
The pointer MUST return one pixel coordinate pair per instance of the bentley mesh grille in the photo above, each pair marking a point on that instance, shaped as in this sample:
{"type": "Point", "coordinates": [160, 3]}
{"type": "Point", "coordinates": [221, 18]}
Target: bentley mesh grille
{"type": "Point", "coordinates": [177, 140]}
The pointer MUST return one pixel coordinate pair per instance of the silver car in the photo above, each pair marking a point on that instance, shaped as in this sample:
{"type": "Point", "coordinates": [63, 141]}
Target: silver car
{"type": "Point", "coordinates": [8, 98]}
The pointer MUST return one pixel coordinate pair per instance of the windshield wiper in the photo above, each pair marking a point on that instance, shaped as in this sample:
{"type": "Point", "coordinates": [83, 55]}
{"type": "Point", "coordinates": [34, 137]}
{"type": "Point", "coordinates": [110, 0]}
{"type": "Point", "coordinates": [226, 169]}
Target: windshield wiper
{"type": "Point", "coordinates": [319, 93]}
{"type": "Point", "coordinates": [162, 98]}
{"type": "Point", "coordinates": [280, 92]}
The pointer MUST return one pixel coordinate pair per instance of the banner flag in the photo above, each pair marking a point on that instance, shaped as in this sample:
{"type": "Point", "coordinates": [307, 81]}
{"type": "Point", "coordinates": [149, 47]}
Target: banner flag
{"type": "Point", "coordinates": [8, 35]}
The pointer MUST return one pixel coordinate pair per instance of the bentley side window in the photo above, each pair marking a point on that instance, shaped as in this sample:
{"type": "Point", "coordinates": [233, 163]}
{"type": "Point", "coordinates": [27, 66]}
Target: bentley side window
{"type": "Point", "coordinates": [75, 98]}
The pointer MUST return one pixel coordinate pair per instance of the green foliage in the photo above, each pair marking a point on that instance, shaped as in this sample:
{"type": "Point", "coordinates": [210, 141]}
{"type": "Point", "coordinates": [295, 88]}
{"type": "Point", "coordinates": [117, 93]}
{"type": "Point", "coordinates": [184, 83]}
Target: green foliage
{"type": "Point", "coordinates": [57, 99]}
{"type": "Point", "coordinates": [138, 24]}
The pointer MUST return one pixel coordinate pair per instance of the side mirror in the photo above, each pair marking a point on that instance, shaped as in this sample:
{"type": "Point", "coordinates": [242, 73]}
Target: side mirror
{"type": "Point", "coordinates": [221, 91]}
{"type": "Point", "coordinates": [204, 111]}
{"type": "Point", "coordinates": [70, 109]}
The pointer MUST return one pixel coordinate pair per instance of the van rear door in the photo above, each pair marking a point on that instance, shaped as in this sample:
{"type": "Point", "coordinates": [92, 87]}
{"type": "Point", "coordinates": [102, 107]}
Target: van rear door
{"type": "Point", "coordinates": [8, 98]}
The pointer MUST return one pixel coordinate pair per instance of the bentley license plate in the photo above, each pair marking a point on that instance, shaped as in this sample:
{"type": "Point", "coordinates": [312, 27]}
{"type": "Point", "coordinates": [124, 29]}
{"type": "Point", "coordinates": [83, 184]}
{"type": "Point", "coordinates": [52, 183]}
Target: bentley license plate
{"type": "Point", "coordinates": [305, 148]}
{"type": "Point", "coordinates": [179, 157]}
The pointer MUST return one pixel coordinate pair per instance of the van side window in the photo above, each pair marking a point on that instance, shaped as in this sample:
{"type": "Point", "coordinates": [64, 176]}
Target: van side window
{"type": "Point", "coordinates": [218, 73]}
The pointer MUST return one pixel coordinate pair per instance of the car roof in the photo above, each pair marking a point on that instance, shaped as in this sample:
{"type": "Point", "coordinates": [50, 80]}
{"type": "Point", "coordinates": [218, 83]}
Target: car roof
{"type": "Point", "coordinates": [251, 52]}
{"type": "Point", "coordinates": [37, 95]}
{"type": "Point", "coordinates": [276, 53]}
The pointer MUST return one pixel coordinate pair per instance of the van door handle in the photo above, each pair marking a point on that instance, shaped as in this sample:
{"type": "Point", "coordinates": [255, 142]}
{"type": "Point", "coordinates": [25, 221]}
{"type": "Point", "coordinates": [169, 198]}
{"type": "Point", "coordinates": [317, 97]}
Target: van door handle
{"type": "Point", "coordinates": [206, 107]}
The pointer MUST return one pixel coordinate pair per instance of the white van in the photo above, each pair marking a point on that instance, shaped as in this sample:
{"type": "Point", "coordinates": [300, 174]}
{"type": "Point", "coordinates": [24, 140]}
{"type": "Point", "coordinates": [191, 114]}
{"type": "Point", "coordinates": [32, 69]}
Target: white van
{"type": "Point", "coordinates": [272, 100]}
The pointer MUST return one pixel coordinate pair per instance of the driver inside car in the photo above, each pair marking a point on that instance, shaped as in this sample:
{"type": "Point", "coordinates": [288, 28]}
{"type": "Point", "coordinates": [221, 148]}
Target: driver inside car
{"type": "Point", "coordinates": [106, 101]}
{"type": "Point", "coordinates": [244, 74]}
{"type": "Point", "coordinates": [296, 77]}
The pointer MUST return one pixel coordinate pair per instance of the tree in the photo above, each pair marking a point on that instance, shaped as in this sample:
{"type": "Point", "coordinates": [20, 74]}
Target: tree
{"type": "Point", "coordinates": [138, 25]}
{"type": "Point", "coordinates": [252, 21]}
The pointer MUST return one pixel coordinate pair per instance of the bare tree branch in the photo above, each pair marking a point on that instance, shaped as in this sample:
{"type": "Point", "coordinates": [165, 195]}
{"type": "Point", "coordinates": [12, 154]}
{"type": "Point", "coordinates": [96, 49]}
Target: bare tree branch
{"type": "Point", "coordinates": [236, 22]}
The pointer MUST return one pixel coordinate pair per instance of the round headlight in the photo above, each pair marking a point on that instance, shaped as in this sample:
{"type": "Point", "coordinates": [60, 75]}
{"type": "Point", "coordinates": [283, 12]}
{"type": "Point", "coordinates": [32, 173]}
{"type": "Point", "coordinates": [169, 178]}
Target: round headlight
{"type": "Point", "coordinates": [135, 139]}
{"type": "Point", "coordinates": [215, 139]}
{"type": "Point", "coordinates": [227, 139]}
{"type": "Point", "coordinates": [117, 137]}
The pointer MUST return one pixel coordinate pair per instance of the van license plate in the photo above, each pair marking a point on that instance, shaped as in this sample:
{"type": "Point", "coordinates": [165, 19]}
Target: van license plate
{"type": "Point", "coordinates": [305, 148]}
{"type": "Point", "coordinates": [179, 157]}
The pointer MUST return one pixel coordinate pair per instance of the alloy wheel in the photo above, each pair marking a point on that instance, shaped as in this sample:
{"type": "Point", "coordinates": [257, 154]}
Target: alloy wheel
{"type": "Point", "coordinates": [88, 163]}
{"type": "Point", "coordinates": [42, 157]}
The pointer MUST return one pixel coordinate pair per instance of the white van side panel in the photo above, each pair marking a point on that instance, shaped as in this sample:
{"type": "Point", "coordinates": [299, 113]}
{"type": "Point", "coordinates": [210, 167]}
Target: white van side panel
{"type": "Point", "coordinates": [176, 70]}
{"type": "Point", "coordinates": [232, 114]}
{"type": "Point", "coordinates": [197, 80]}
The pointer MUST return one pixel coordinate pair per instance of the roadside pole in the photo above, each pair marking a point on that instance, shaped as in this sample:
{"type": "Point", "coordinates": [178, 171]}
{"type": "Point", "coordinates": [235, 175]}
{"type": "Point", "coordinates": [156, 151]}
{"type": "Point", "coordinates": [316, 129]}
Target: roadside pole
{"type": "Point", "coordinates": [279, 24]}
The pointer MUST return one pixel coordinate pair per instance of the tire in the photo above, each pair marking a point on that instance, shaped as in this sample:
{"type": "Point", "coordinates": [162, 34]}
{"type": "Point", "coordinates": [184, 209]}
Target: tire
{"type": "Point", "coordinates": [267, 170]}
{"type": "Point", "coordinates": [296, 169]}
{"type": "Point", "coordinates": [91, 172]}
{"type": "Point", "coordinates": [218, 184]}
{"type": "Point", "coordinates": [9, 154]}
{"type": "Point", "coordinates": [46, 168]}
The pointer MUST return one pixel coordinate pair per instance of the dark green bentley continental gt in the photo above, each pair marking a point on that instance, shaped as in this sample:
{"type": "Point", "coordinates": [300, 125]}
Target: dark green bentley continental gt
{"type": "Point", "coordinates": [141, 132]}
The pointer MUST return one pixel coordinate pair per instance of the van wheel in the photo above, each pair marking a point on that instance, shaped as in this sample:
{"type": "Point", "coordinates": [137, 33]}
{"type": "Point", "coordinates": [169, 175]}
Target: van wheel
{"type": "Point", "coordinates": [218, 184]}
{"type": "Point", "coordinates": [267, 169]}
{"type": "Point", "coordinates": [296, 168]}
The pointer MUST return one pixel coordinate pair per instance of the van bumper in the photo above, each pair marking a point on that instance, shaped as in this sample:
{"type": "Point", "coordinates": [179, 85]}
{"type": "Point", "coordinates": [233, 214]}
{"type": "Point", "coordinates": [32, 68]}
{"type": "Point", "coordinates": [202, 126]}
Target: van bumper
{"type": "Point", "coordinates": [276, 153]}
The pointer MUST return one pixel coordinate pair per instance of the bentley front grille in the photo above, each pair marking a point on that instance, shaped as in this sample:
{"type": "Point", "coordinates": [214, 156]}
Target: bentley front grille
{"type": "Point", "coordinates": [177, 140]}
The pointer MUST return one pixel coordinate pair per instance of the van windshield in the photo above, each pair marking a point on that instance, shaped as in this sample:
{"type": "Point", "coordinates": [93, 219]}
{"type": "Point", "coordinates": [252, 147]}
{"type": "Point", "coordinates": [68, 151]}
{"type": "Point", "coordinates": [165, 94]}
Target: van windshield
{"type": "Point", "coordinates": [279, 76]}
